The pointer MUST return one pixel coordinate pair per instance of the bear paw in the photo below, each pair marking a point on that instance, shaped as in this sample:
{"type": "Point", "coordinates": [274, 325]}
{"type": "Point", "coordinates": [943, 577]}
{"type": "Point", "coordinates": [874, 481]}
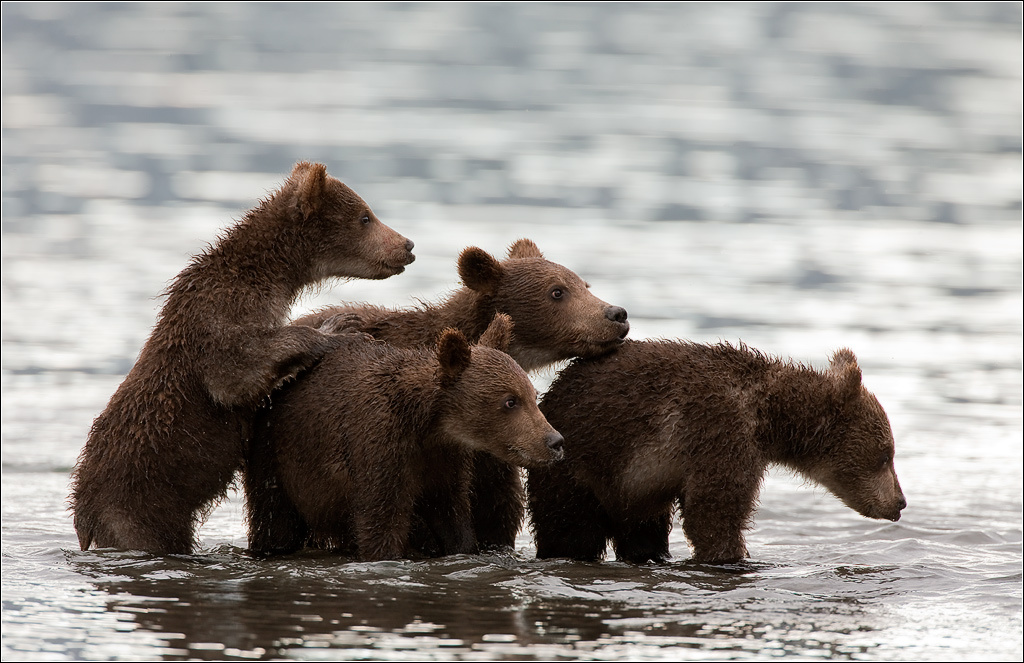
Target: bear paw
{"type": "Point", "coordinates": [342, 323]}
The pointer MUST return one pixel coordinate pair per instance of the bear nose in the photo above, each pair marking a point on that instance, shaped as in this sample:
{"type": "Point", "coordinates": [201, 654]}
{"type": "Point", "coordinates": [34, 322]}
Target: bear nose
{"type": "Point", "coordinates": [409, 246]}
{"type": "Point", "coordinates": [556, 443]}
{"type": "Point", "coordinates": [615, 313]}
{"type": "Point", "coordinates": [902, 504]}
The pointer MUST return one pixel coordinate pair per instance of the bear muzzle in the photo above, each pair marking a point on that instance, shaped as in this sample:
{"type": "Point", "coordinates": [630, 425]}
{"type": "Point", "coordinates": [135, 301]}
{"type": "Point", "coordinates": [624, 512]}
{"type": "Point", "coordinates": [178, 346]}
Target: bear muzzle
{"type": "Point", "coordinates": [556, 443]}
{"type": "Point", "coordinates": [401, 256]}
{"type": "Point", "coordinates": [617, 315]}
{"type": "Point", "coordinates": [901, 503]}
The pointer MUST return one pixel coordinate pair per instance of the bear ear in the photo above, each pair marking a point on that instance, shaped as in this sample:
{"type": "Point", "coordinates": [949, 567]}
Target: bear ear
{"type": "Point", "coordinates": [498, 334]}
{"type": "Point", "coordinates": [524, 248]}
{"type": "Point", "coordinates": [480, 271]}
{"type": "Point", "coordinates": [453, 355]}
{"type": "Point", "coordinates": [846, 373]}
{"type": "Point", "coordinates": [311, 181]}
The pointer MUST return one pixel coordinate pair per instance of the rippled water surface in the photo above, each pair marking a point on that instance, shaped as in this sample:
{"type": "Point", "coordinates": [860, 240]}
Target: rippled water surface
{"type": "Point", "coordinates": [797, 177]}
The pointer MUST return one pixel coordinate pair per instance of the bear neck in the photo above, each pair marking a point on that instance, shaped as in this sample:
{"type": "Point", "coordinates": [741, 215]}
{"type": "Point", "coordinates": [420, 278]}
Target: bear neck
{"type": "Point", "coordinates": [250, 276]}
{"type": "Point", "coordinates": [798, 412]}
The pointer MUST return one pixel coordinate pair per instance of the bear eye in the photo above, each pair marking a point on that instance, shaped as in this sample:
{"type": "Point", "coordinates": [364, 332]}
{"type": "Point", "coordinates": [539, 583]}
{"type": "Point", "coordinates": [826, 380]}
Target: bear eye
{"type": "Point", "coordinates": [557, 293]}
{"type": "Point", "coordinates": [510, 403]}
{"type": "Point", "coordinates": [365, 220]}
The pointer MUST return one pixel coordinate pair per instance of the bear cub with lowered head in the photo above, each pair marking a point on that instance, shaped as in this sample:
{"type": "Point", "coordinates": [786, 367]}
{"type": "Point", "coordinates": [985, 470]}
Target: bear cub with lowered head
{"type": "Point", "coordinates": [355, 456]}
{"type": "Point", "coordinates": [660, 424]}
{"type": "Point", "coordinates": [171, 438]}
{"type": "Point", "coordinates": [556, 317]}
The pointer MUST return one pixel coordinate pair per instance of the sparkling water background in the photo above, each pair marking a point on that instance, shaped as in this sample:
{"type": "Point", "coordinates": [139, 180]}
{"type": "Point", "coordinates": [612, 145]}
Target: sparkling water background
{"type": "Point", "coordinates": [799, 177]}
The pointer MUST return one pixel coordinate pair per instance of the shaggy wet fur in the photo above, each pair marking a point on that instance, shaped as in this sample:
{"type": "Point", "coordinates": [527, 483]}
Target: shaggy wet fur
{"type": "Point", "coordinates": [663, 424]}
{"type": "Point", "coordinates": [556, 318]}
{"type": "Point", "coordinates": [168, 443]}
{"type": "Point", "coordinates": [355, 458]}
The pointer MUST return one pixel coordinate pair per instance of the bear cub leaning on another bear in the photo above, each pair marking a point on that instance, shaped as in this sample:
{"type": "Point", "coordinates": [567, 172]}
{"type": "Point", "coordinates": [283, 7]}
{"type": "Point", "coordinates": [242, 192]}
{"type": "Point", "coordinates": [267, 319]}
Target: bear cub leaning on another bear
{"type": "Point", "coordinates": [171, 438]}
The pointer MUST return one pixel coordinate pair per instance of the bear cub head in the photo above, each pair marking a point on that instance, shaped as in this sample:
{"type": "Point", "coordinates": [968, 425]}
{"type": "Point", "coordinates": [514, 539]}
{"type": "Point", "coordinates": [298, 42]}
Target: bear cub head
{"type": "Point", "coordinates": [556, 315]}
{"type": "Point", "coordinates": [489, 403]}
{"type": "Point", "coordinates": [857, 462]}
{"type": "Point", "coordinates": [342, 234]}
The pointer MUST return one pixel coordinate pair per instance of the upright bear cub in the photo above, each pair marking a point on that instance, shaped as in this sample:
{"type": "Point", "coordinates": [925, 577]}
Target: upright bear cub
{"type": "Point", "coordinates": [354, 456]}
{"type": "Point", "coordinates": [170, 439]}
{"type": "Point", "coordinates": [556, 317]}
{"type": "Point", "coordinates": [663, 423]}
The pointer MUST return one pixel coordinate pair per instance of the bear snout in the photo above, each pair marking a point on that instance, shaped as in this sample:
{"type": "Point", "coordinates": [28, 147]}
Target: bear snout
{"type": "Point", "coordinates": [399, 256]}
{"type": "Point", "coordinates": [556, 443]}
{"type": "Point", "coordinates": [407, 256]}
{"type": "Point", "coordinates": [615, 314]}
{"type": "Point", "coordinates": [887, 510]}
{"type": "Point", "coordinates": [901, 504]}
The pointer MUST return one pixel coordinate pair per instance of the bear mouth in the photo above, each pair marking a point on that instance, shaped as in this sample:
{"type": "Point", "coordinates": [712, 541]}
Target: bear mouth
{"type": "Point", "coordinates": [539, 460]}
{"type": "Point", "coordinates": [620, 338]}
{"type": "Point", "coordinates": [877, 512]}
{"type": "Point", "coordinates": [595, 349]}
{"type": "Point", "coordinates": [612, 343]}
{"type": "Point", "coordinates": [398, 266]}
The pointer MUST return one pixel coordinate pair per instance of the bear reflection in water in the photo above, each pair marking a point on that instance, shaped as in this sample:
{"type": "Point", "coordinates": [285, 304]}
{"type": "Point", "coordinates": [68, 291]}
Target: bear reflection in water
{"type": "Point", "coordinates": [659, 424]}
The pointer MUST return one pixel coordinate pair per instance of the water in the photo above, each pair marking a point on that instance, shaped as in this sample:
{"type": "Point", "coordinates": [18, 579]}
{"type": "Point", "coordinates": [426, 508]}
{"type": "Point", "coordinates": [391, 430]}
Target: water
{"type": "Point", "coordinates": [798, 177]}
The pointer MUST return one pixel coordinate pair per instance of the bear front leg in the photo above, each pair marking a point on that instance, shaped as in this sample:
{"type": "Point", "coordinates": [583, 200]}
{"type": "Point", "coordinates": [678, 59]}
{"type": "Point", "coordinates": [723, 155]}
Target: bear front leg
{"type": "Point", "coordinates": [639, 541]}
{"type": "Point", "coordinates": [383, 507]}
{"type": "Point", "coordinates": [166, 531]}
{"type": "Point", "coordinates": [715, 521]}
{"type": "Point", "coordinates": [499, 502]}
{"type": "Point", "coordinates": [444, 524]}
{"type": "Point", "coordinates": [566, 517]}
{"type": "Point", "coordinates": [275, 525]}
{"type": "Point", "coordinates": [254, 364]}
{"type": "Point", "coordinates": [294, 349]}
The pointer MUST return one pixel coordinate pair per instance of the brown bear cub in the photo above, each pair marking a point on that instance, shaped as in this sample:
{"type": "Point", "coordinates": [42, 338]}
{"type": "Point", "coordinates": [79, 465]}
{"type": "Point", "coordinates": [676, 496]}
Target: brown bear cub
{"type": "Point", "coordinates": [661, 423]}
{"type": "Point", "coordinates": [354, 456]}
{"type": "Point", "coordinates": [172, 436]}
{"type": "Point", "coordinates": [556, 317]}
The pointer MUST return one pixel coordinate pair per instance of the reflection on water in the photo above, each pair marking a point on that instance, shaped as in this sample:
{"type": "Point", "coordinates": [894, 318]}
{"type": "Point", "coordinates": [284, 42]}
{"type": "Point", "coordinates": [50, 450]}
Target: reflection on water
{"type": "Point", "coordinates": [221, 605]}
{"type": "Point", "coordinates": [503, 606]}
{"type": "Point", "coordinates": [800, 177]}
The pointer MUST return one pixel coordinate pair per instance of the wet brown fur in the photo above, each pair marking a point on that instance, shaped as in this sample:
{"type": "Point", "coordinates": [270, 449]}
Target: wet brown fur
{"type": "Point", "coordinates": [661, 424]}
{"type": "Point", "coordinates": [168, 443]}
{"type": "Point", "coordinates": [547, 329]}
{"type": "Point", "coordinates": [355, 456]}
